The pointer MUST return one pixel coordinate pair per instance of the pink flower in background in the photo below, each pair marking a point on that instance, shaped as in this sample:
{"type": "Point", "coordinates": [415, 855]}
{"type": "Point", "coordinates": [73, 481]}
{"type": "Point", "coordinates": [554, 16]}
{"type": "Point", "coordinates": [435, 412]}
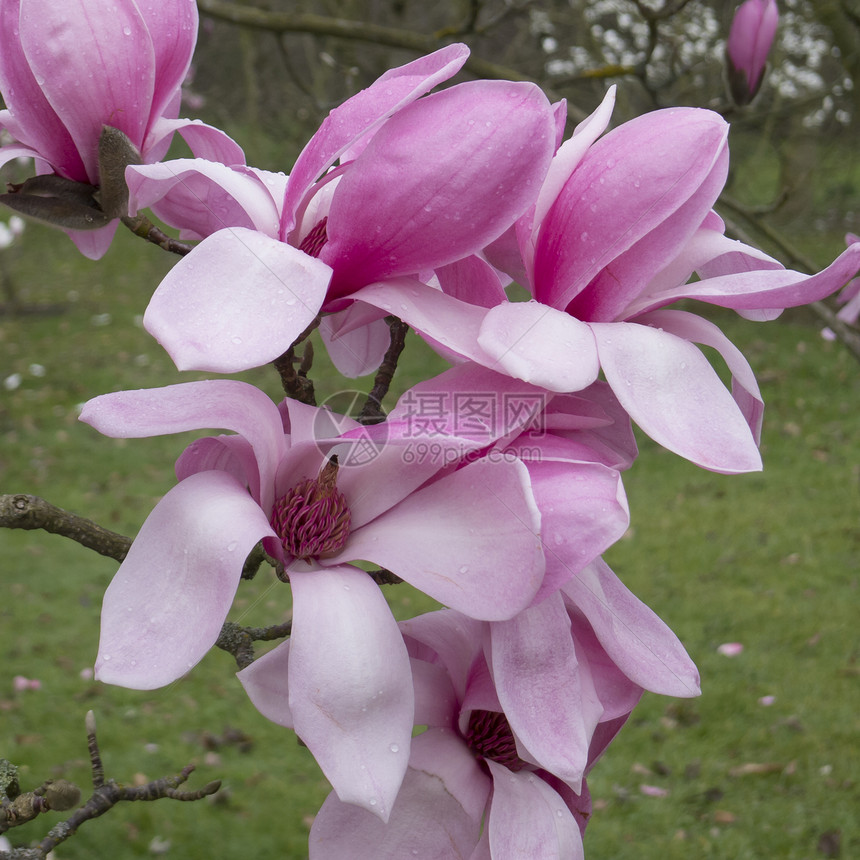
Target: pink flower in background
{"type": "Point", "coordinates": [468, 538]}
{"type": "Point", "coordinates": [749, 43]}
{"type": "Point", "coordinates": [730, 649]}
{"type": "Point", "coordinates": [69, 69]}
{"type": "Point", "coordinates": [423, 182]}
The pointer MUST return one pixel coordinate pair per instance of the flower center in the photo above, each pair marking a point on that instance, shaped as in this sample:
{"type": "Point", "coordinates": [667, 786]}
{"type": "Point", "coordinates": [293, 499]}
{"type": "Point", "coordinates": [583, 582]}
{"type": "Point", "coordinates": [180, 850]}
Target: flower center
{"type": "Point", "coordinates": [312, 519]}
{"type": "Point", "coordinates": [490, 736]}
{"type": "Point", "coordinates": [313, 243]}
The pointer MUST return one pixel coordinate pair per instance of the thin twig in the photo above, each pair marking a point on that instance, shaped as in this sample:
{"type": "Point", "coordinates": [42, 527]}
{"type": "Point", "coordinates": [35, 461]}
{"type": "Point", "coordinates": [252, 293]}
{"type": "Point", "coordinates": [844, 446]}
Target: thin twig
{"type": "Point", "coordinates": [106, 794]}
{"type": "Point", "coordinates": [143, 227]}
{"type": "Point", "coordinates": [371, 412]}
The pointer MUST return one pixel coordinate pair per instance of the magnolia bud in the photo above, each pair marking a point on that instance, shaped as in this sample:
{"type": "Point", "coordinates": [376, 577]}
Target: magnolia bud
{"type": "Point", "coordinates": [750, 39]}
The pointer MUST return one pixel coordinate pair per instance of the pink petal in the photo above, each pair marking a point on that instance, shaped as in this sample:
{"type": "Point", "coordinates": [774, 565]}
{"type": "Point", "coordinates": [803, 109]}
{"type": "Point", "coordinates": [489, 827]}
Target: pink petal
{"type": "Point", "coordinates": [627, 185]}
{"type": "Point", "coordinates": [205, 141]}
{"type": "Point", "coordinates": [363, 113]}
{"type": "Point", "coordinates": [201, 197]}
{"type": "Point", "coordinates": [550, 702]}
{"type": "Point", "coordinates": [566, 160]}
{"type": "Point", "coordinates": [452, 323]}
{"type": "Point", "coordinates": [428, 821]}
{"type": "Point", "coordinates": [30, 118]}
{"type": "Point", "coordinates": [455, 639]}
{"type": "Point", "coordinates": [540, 345]}
{"type": "Point", "coordinates": [441, 179]}
{"type": "Point", "coordinates": [266, 681]}
{"type": "Point", "coordinates": [355, 350]}
{"type": "Point", "coordinates": [237, 301]}
{"type": "Point", "coordinates": [93, 244]}
{"type": "Point", "coordinates": [639, 643]}
{"type": "Point", "coordinates": [488, 563]}
{"type": "Point", "coordinates": [222, 403]}
{"type": "Point", "coordinates": [172, 26]}
{"type": "Point", "coordinates": [674, 395]}
{"type": "Point", "coordinates": [583, 512]}
{"type": "Point", "coordinates": [529, 819]}
{"type": "Point", "coordinates": [693, 328]}
{"type": "Point", "coordinates": [771, 288]}
{"type": "Point", "coordinates": [164, 608]}
{"type": "Point", "coordinates": [350, 690]}
{"type": "Point", "coordinates": [119, 67]}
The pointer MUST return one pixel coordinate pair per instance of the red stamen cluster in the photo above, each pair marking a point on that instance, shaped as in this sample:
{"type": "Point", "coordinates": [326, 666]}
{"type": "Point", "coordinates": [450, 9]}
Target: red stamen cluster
{"type": "Point", "coordinates": [489, 736]}
{"type": "Point", "coordinates": [313, 243]}
{"type": "Point", "coordinates": [312, 519]}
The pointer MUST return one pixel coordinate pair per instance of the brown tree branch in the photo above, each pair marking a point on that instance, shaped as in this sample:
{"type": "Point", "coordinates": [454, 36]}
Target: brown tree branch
{"type": "Point", "coordinates": [21, 511]}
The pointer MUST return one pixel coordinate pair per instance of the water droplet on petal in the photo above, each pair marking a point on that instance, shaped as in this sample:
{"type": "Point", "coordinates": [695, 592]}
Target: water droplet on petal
{"type": "Point", "coordinates": [394, 748]}
{"type": "Point", "coordinates": [236, 339]}
{"type": "Point", "coordinates": [106, 658]}
{"type": "Point", "coordinates": [232, 546]}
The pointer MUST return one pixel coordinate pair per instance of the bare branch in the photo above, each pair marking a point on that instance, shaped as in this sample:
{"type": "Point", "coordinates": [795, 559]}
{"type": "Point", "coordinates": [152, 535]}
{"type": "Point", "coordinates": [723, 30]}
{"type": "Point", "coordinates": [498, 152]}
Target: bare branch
{"type": "Point", "coordinates": [20, 511]}
{"type": "Point", "coordinates": [60, 795]}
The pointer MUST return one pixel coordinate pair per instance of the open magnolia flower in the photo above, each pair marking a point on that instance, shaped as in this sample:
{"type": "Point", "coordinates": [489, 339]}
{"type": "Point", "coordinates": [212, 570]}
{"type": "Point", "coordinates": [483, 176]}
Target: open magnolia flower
{"type": "Point", "coordinates": [319, 501]}
{"type": "Point", "coordinates": [69, 69]}
{"type": "Point", "coordinates": [422, 183]}
{"type": "Point", "coordinates": [616, 232]}
{"type": "Point", "coordinates": [475, 787]}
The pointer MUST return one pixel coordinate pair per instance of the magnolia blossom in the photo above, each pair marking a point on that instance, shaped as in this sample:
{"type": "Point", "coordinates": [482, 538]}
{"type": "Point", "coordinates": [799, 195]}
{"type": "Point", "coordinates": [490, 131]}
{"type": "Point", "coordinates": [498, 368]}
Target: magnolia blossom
{"type": "Point", "coordinates": [423, 182]}
{"type": "Point", "coordinates": [474, 787]}
{"type": "Point", "coordinates": [318, 500]}
{"type": "Point", "coordinates": [617, 230]}
{"type": "Point", "coordinates": [750, 40]}
{"type": "Point", "coordinates": [69, 69]}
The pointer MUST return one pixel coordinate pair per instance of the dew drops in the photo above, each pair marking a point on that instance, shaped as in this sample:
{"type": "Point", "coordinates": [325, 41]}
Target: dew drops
{"type": "Point", "coordinates": [559, 813]}
{"type": "Point", "coordinates": [372, 801]}
{"type": "Point", "coordinates": [464, 568]}
{"type": "Point", "coordinates": [232, 546]}
{"type": "Point", "coordinates": [346, 588]}
{"type": "Point", "coordinates": [126, 31]}
{"type": "Point", "coordinates": [394, 748]}
{"type": "Point", "coordinates": [236, 339]}
{"type": "Point", "coordinates": [683, 365]}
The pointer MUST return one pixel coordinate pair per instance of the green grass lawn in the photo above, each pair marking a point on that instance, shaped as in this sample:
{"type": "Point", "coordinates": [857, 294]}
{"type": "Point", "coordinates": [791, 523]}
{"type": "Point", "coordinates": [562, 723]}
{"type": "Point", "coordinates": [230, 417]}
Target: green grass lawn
{"type": "Point", "coordinates": [768, 560]}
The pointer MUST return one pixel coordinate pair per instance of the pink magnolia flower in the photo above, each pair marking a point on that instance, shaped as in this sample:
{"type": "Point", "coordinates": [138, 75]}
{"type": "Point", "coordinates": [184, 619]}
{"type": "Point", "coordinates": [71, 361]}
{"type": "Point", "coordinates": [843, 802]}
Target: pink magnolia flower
{"type": "Point", "coordinates": [467, 538]}
{"type": "Point", "coordinates": [475, 786]}
{"type": "Point", "coordinates": [423, 182]}
{"type": "Point", "coordinates": [750, 40]}
{"type": "Point", "coordinates": [69, 69]}
{"type": "Point", "coordinates": [618, 228]}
